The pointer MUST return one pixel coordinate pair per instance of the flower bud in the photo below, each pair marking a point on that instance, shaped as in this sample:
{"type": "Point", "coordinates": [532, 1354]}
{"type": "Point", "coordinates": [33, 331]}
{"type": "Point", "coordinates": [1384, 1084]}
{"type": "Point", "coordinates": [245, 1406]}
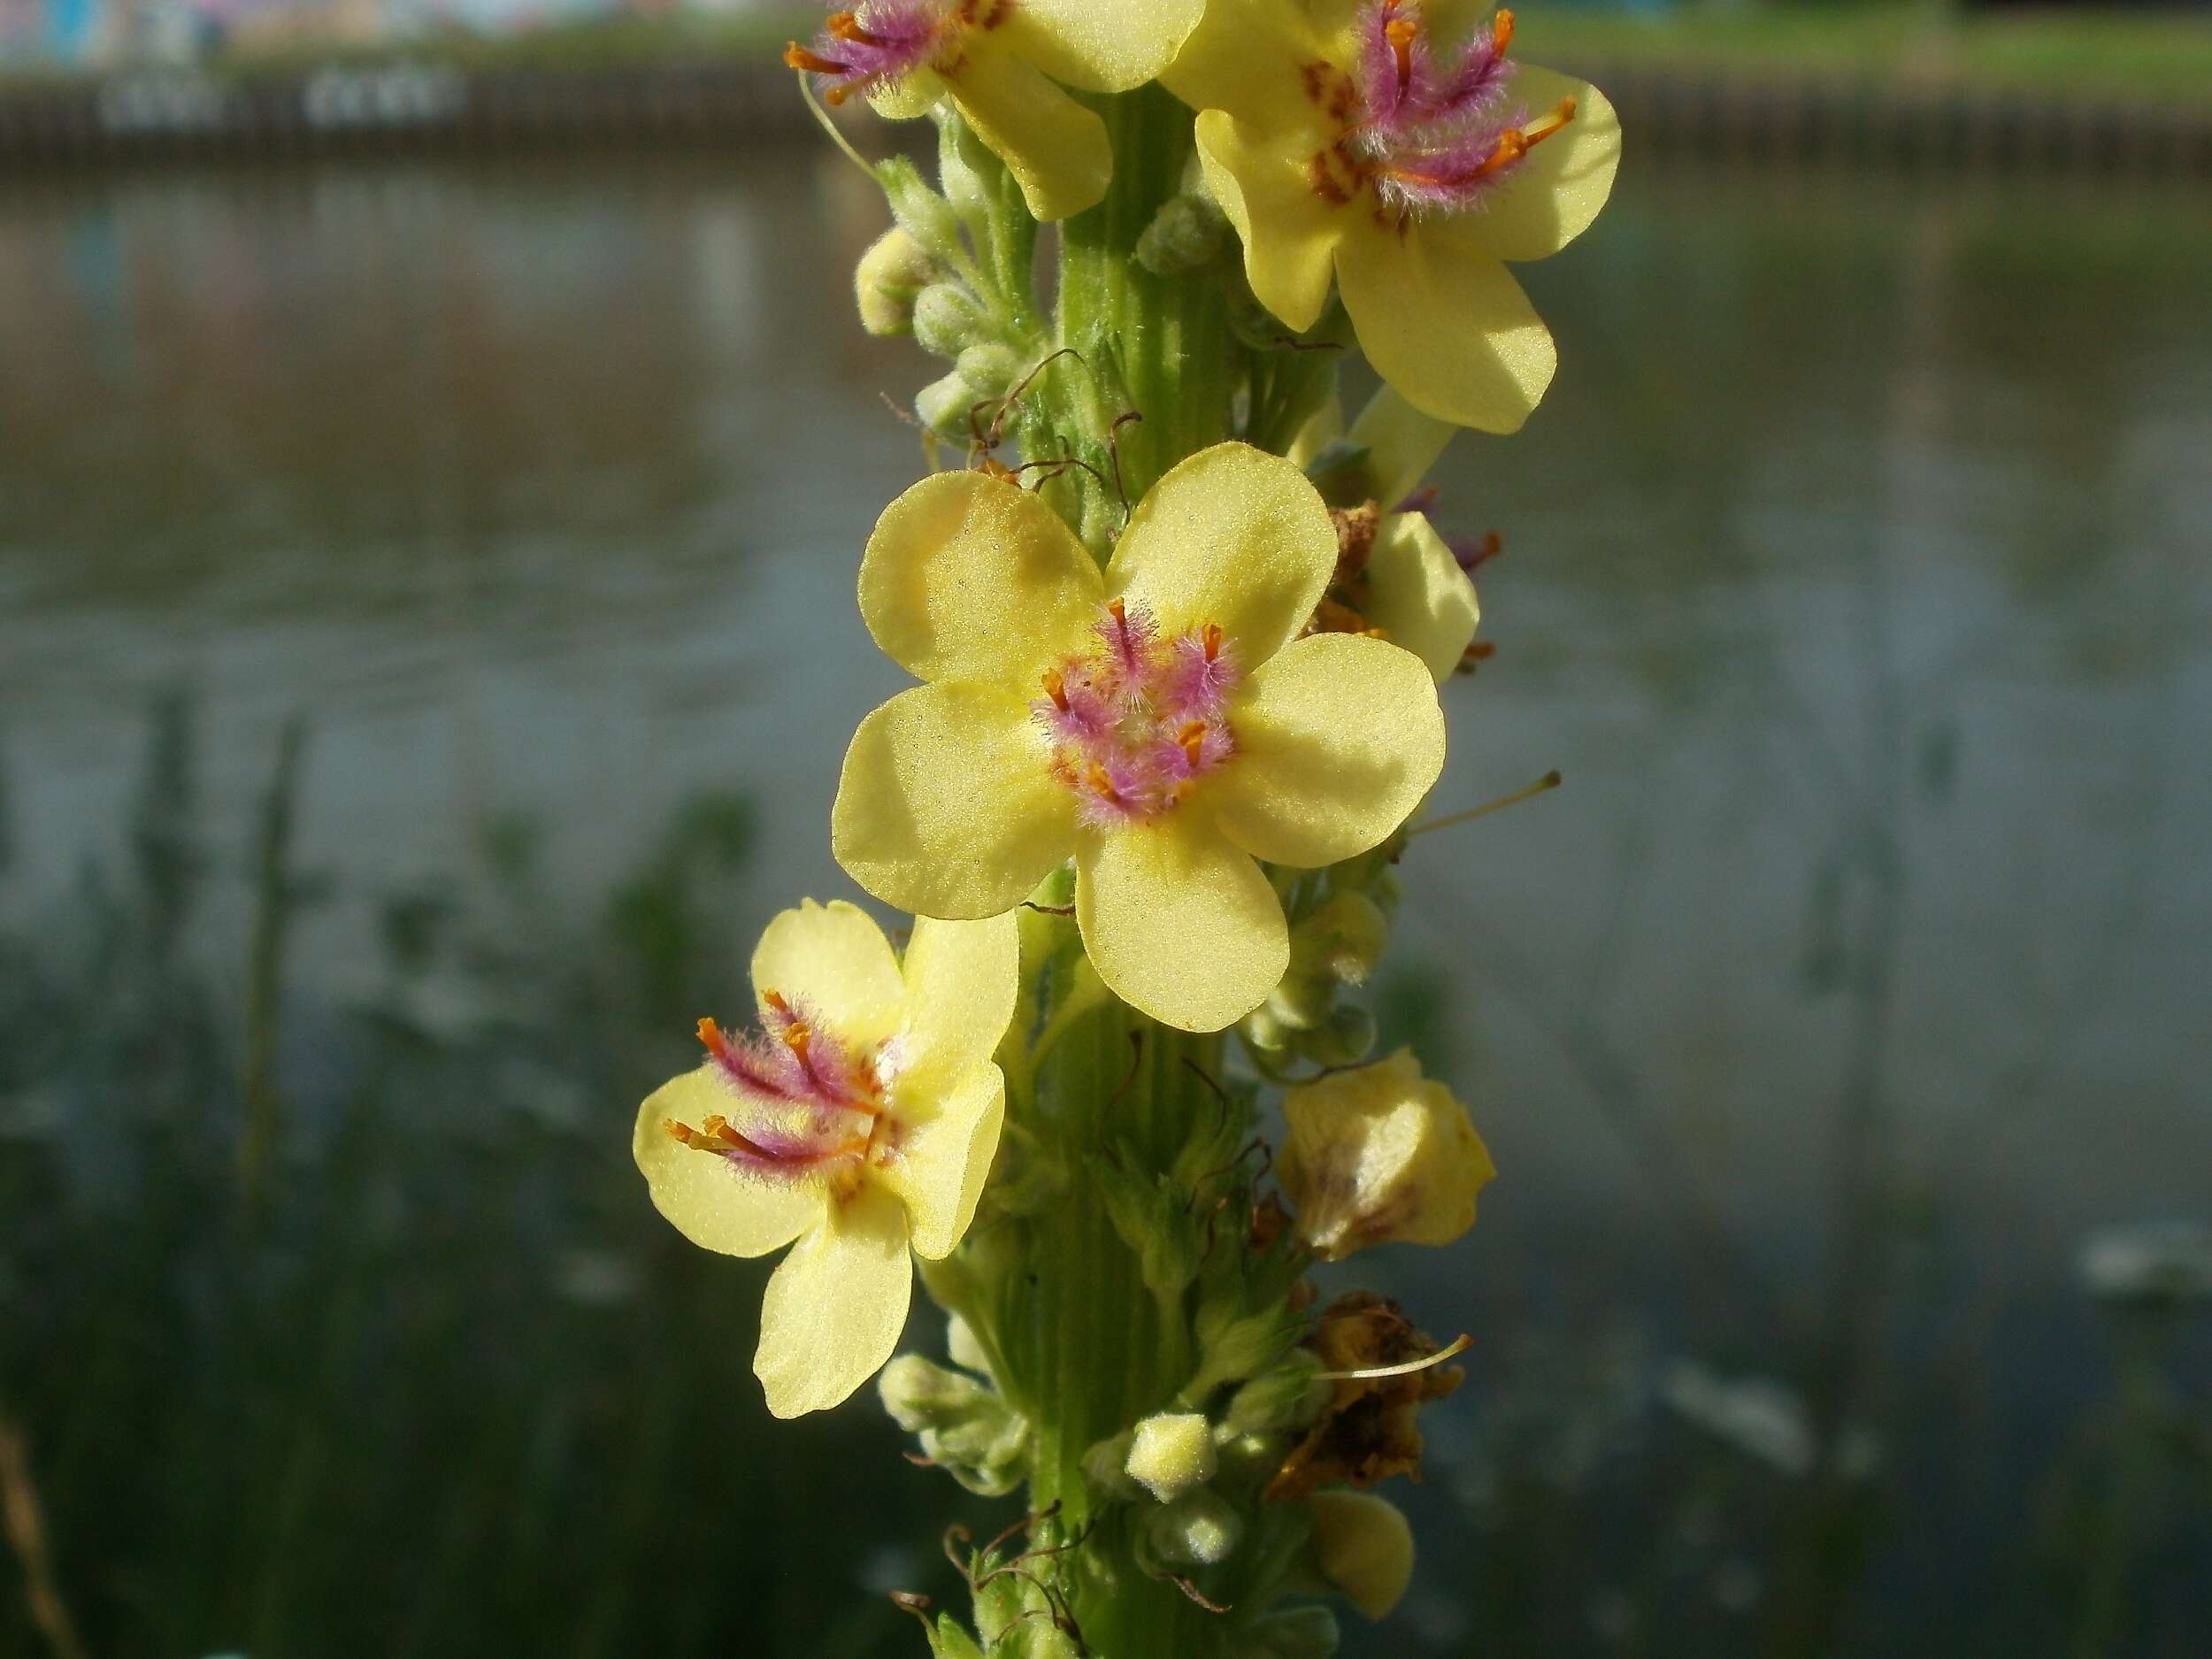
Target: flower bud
{"type": "Point", "coordinates": [1187, 232]}
{"type": "Point", "coordinates": [1344, 937]}
{"type": "Point", "coordinates": [893, 270]}
{"type": "Point", "coordinates": [990, 367]}
{"type": "Point", "coordinates": [1198, 1530]}
{"type": "Point", "coordinates": [1379, 1156]}
{"type": "Point", "coordinates": [944, 405]}
{"type": "Point", "coordinates": [1364, 1546]}
{"type": "Point", "coordinates": [1295, 1633]}
{"type": "Point", "coordinates": [966, 1427]}
{"type": "Point", "coordinates": [948, 318]}
{"type": "Point", "coordinates": [1289, 1396]}
{"type": "Point", "coordinates": [1171, 1453]}
{"type": "Point", "coordinates": [920, 212]}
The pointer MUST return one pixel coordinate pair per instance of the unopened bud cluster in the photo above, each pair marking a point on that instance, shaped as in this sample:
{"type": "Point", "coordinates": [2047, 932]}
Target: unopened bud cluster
{"type": "Point", "coordinates": [932, 275]}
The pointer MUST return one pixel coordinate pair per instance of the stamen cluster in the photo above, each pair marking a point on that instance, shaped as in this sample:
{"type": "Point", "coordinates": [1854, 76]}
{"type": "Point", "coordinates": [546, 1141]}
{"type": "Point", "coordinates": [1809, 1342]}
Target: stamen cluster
{"type": "Point", "coordinates": [879, 42]}
{"type": "Point", "coordinates": [806, 1101]}
{"type": "Point", "coordinates": [1136, 719]}
{"type": "Point", "coordinates": [1431, 128]}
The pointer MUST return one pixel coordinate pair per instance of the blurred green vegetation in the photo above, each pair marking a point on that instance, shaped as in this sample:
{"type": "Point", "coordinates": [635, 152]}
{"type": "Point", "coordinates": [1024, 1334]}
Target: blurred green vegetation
{"type": "Point", "coordinates": [323, 1321]}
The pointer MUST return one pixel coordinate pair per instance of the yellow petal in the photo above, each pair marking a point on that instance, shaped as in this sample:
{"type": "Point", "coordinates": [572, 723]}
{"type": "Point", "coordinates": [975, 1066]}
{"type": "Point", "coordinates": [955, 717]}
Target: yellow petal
{"type": "Point", "coordinates": [1101, 48]}
{"type": "Point", "coordinates": [836, 959]}
{"type": "Point", "coordinates": [711, 1201]}
{"type": "Point", "coordinates": [1418, 596]}
{"type": "Point", "coordinates": [1401, 444]}
{"type": "Point", "coordinates": [1263, 180]}
{"type": "Point", "coordinates": [1446, 325]}
{"type": "Point", "coordinates": [1338, 740]}
{"type": "Point", "coordinates": [835, 1305]}
{"type": "Point", "coordinates": [1552, 194]}
{"type": "Point", "coordinates": [969, 577]}
{"type": "Point", "coordinates": [1232, 535]}
{"type": "Point", "coordinates": [1179, 923]}
{"type": "Point", "coordinates": [947, 806]}
{"type": "Point", "coordinates": [912, 94]}
{"type": "Point", "coordinates": [944, 1157]}
{"type": "Point", "coordinates": [1057, 149]}
{"type": "Point", "coordinates": [960, 981]}
{"type": "Point", "coordinates": [1363, 1546]}
{"type": "Point", "coordinates": [1248, 57]}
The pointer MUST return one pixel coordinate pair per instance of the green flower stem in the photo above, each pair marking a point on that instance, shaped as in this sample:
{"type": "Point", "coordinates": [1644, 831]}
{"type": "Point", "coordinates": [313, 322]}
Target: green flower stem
{"type": "Point", "coordinates": [1159, 346]}
{"type": "Point", "coordinates": [1106, 1350]}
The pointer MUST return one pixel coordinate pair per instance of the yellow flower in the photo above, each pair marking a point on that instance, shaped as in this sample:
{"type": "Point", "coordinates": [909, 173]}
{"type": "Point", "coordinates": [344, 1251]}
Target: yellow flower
{"type": "Point", "coordinates": [997, 61]}
{"type": "Point", "coordinates": [861, 1122]}
{"type": "Point", "coordinates": [1380, 1154]}
{"type": "Point", "coordinates": [1393, 145]}
{"type": "Point", "coordinates": [1162, 724]}
{"type": "Point", "coordinates": [1396, 577]}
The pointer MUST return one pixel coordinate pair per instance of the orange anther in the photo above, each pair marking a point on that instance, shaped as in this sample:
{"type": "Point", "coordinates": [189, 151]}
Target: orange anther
{"type": "Point", "coordinates": [1213, 640]}
{"type": "Point", "coordinates": [1192, 739]}
{"type": "Point", "coordinates": [1501, 31]}
{"type": "Point", "coordinates": [1120, 612]}
{"type": "Point", "coordinates": [682, 1132]}
{"type": "Point", "coordinates": [1057, 688]}
{"type": "Point", "coordinates": [797, 57]}
{"type": "Point", "coordinates": [1101, 784]}
{"type": "Point", "coordinates": [775, 1000]}
{"type": "Point", "coordinates": [710, 1035]}
{"type": "Point", "coordinates": [1401, 32]}
{"type": "Point", "coordinates": [1532, 136]}
{"type": "Point", "coordinates": [846, 26]}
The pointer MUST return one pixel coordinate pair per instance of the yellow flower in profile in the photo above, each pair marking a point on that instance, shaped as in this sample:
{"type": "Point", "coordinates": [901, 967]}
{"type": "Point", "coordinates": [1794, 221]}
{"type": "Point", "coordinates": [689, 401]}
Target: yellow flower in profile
{"type": "Point", "coordinates": [1379, 1154]}
{"type": "Point", "coordinates": [1393, 146]}
{"type": "Point", "coordinates": [1162, 723]}
{"type": "Point", "coordinates": [861, 1122]}
{"type": "Point", "coordinates": [997, 61]}
{"type": "Point", "coordinates": [1396, 577]}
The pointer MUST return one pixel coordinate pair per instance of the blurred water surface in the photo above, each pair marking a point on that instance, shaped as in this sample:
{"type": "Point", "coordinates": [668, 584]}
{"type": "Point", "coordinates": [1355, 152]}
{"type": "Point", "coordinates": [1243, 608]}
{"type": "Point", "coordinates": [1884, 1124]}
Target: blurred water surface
{"type": "Point", "coordinates": [1856, 576]}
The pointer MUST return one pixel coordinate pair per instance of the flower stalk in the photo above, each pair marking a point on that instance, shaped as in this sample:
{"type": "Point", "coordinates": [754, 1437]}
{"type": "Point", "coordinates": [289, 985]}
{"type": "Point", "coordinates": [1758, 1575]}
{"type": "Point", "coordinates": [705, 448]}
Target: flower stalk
{"type": "Point", "coordinates": [1179, 637]}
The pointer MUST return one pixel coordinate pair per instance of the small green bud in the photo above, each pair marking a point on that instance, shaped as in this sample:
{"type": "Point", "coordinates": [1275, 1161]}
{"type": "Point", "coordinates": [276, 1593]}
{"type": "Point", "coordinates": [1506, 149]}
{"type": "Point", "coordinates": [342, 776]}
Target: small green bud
{"type": "Point", "coordinates": [948, 320]}
{"type": "Point", "coordinates": [1106, 1465]}
{"type": "Point", "coordinates": [1295, 1633]}
{"type": "Point", "coordinates": [961, 161]}
{"type": "Point", "coordinates": [1155, 1226]}
{"type": "Point", "coordinates": [966, 1427]}
{"type": "Point", "coordinates": [1187, 232]}
{"type": "Point", "coordinates": [943, 405]}
{"type": "Point", "coordinates": [1264, 1032]}
{"type": "Point", "coordinates": [990, 367]}
{"type": "Point", "coordinates": [1171, 1453]}
{"type": "Point", "coordinates": [1286, 1396]}
{"type": "Point", "coordinates": [1301, 1001]}
{"type": "Point", "coordinates": [920, 212]}
{"type": "Point", "coordinates": [1344, 937]}
{"type": "Point", "coordinates": [1232, 1347]}
{"type": "Point", "coordinates": [893, 270]}
{"type": "Point", "coordinates": [1198, 1530]}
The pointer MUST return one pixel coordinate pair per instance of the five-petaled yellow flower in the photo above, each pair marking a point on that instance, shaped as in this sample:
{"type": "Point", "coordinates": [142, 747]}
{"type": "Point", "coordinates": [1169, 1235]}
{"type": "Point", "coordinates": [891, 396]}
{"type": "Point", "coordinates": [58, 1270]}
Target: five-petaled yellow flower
{"type": "Point", "coordinates": [997, 61]}
{"type": "Point", "coordinates": [861, 1122]}
{"type": "Point", "coordinates": [1393, 145]}
{"type": "Point", "coordinates": [1164, 723]}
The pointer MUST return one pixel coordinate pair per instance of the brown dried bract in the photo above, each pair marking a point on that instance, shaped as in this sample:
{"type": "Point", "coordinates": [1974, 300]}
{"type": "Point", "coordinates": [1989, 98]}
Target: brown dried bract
{"type": "Point", "coordinates": [1369, 1431]}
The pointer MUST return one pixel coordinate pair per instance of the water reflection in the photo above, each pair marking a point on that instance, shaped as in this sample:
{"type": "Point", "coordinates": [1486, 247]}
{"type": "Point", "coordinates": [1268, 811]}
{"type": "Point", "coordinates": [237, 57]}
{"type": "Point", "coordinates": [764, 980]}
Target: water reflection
{"type": "Point", "coordinates": [1856, 578]}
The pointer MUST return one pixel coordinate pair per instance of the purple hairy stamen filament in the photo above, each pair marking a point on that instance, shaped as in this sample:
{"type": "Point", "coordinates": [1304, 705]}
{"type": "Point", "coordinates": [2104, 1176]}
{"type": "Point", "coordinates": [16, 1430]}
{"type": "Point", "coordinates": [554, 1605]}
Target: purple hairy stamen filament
{"type": "Point", "coordinates": [1137, 718]}
{"type": "Point", "coordinates": [875, 45]}
{"type": "Point", "coordinates": [802, 1101]}
{"type": "Point", "coordinates": [1414, 93]}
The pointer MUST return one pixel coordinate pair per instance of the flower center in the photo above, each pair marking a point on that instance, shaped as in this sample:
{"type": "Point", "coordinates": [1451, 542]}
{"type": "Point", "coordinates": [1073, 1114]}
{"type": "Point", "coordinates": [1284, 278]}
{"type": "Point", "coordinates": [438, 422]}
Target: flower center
{"type": "Point", "coordinates": [1136, 719]}
{"type": "Point", "coordinates": [805, 1102]}
{"type": "Point", "coordinates": [1425, 127]}
{"type": "Point", "coordinates": [880, 42]}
